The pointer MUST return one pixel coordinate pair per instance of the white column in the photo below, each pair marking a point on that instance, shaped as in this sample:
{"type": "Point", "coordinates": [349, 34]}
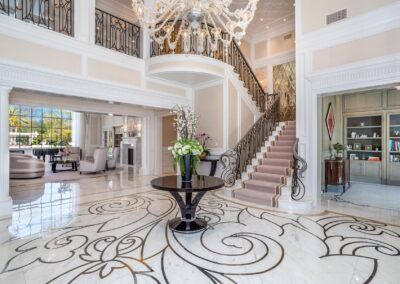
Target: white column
{"type": "Point", "coordinates": [84, 24]}
{"type": "Point", "coordinates": [145, 43]}
{"type": "Point", "coordinates": [5, 200]}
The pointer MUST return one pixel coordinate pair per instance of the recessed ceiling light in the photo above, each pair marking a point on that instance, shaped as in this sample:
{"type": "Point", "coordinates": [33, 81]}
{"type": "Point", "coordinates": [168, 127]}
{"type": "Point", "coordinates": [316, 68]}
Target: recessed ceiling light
{"type": "Point", "coordinates": [261, 19]}
{"type": "Point", "coordinates": [267, 27]}
{"type": "Point", "coordinates": [110, 114]}
{"type": "Point", "coordinates": [284, 20]}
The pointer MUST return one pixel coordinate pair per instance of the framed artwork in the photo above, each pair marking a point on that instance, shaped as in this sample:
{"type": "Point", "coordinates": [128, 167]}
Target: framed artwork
{"type": "Point", "coordinates": [353, 156]}
{"type": "Point", "coordinates": [330, 121]}
{"type": "Point", "coordinates": [368, 147]}
{"type": "Point", "coordinates": [357, 146]}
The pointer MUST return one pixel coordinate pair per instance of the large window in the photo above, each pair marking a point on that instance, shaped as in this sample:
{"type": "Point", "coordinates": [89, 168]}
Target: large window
{"type": "Point", "coordinates": [39, 127]}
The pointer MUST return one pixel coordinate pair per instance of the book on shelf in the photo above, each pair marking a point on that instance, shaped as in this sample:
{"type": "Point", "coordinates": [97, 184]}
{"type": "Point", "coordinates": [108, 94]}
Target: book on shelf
{"type": "Point", "coordinates": [394, 145]}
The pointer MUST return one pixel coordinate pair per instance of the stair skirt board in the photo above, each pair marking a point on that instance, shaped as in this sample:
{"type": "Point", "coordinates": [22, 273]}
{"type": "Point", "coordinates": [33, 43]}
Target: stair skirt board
{"type": "Point", "coordinates": [270, 176]}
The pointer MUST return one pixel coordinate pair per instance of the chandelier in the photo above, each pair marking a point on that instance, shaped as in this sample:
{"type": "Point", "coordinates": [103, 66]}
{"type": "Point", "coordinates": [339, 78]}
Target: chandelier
{"type": "Point", "coordinates": [194, 24]}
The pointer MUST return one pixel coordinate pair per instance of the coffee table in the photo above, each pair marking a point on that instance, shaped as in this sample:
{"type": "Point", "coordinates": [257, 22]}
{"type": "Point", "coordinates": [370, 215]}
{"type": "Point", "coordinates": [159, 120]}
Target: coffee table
{"type": "Point", "coordinates": [72, 166]}
{"type": "Point", "coordinates": [188, 222]}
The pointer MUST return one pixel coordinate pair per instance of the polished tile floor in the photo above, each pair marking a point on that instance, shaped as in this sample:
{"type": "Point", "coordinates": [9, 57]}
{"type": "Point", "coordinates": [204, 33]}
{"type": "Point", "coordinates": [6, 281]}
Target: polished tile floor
{"type": "Point", "coordinates": [114, 228]}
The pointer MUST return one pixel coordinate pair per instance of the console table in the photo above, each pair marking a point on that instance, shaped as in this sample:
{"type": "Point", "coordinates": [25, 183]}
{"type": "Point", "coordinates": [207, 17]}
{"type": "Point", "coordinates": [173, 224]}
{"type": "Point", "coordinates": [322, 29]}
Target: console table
{"type": "Point", "coordinates": [214, 161]}
{"type": "Point", "coordinates": [188, 223]}
{"type": "Point", "coordinates": [337, 172]}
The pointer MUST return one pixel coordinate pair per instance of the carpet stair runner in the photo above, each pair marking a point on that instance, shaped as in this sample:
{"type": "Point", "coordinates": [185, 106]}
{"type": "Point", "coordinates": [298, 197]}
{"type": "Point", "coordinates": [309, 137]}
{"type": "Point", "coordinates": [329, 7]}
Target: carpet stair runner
{"type": "Point", "coordinates": [270, 175]}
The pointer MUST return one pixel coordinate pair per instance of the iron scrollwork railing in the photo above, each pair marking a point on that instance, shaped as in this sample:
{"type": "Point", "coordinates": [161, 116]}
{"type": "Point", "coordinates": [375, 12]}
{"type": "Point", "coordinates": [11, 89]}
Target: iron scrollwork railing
{"type": "Point", "coordinates": [117, 34]}
{"type": "Point", "coordinates": [234, 161]}
{"type": "Point", "coordinates": [56, 15]}
{"type": "Point", "coordinates": [231, 55]}
{"type": "Point", "coordinates": [299, 167]}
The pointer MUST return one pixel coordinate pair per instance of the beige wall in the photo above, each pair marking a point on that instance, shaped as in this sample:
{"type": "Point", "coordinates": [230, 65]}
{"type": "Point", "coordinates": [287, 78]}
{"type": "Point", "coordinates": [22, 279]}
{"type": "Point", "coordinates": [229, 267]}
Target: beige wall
{"type": "Point", "coordinates": [155, 86]}
{"type": "Point", "coordinates": [374, 46]}
{"type": "Point", "coordinates": [168, 132]}
{"type": "Point", "coordinates": [208, 104]}
{"type": "Point", "coordinates": [247, 118]}
{"type": "Point", "coordinates": [105, 71]}
{"type": "Point", "coordinates": [245, 47]}
{"type": "Point", "coordinates": [314, 12]}
{"type": "Point", "coordinates": [38, 55]}
{"type": "Point", "coordinates": [280, 44]}
{"type": "Point", "coordinates": [274, 45]}
{"type": "Point", "coordinates": [233, 116]}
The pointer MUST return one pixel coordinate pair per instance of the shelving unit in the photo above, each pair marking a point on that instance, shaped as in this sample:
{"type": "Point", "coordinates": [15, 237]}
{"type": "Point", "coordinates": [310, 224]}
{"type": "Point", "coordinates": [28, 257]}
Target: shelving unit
{"type": "Point", "coordinates": [394, 149]}
{"type": "Point", "coordinates": [364, 136]}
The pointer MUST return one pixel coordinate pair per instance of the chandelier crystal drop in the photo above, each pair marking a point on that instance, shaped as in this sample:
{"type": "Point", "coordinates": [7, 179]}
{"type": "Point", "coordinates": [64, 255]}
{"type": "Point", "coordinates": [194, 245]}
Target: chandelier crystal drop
{"type": "Point", "coordinates": [194, 24]}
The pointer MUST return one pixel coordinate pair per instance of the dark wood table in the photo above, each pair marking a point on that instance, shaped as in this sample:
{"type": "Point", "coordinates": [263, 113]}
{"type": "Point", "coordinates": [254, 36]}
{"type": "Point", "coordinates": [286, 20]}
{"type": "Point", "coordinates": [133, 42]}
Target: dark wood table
{"type": "Point", "coordinates": [72, 166]}
{"type": "Point", "coordinates": [337, 172]}
{"type": "Point", "coordinates": [188, 222]}
{"type": "Point", "coordinates": [214, 161]}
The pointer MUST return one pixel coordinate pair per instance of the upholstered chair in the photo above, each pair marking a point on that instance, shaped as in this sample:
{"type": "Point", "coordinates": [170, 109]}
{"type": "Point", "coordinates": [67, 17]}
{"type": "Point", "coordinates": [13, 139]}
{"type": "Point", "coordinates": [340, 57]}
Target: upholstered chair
{"type": "Point", "coordinates": [25, 166]}
{"type": "Point", "coordinates": [98, 164]}
{"type": "Point", "coordinates": [112, 162]}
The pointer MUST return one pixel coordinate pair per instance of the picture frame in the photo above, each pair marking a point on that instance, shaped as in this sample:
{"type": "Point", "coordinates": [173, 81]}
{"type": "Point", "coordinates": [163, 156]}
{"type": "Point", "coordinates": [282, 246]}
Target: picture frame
{"type": "Point", "coordinates": [357, 146]}
{"type": "Point", "coordinates": [368, 147]}
{"type": "Point", "coordinates": [330, 121]}
{"type": "Point", "coordinates": [352, 156]}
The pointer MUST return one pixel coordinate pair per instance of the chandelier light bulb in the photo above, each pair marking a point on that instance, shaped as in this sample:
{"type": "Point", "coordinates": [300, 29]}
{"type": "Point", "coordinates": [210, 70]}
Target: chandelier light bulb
{"type": "Point", "coordinates": [206, 21]}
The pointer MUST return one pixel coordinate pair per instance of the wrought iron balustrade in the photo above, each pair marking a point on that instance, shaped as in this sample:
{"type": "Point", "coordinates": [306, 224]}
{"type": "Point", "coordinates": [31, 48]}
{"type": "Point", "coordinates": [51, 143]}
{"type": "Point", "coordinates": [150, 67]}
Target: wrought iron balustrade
{"type": "Point", "coordinates": [299, 167]}
{"type": "Point", "coordinates": [117, 34]}
{"type": "Point", "coordinates": [231, 55]}
{"type": "Point", "coordinates": [235, 160]}
{"type": "Point", "coordinates": [56, 15]}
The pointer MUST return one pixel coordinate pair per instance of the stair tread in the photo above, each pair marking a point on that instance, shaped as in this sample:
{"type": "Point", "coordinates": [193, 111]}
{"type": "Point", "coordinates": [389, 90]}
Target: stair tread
{"type": "Point", "coordinates": [262, 182]}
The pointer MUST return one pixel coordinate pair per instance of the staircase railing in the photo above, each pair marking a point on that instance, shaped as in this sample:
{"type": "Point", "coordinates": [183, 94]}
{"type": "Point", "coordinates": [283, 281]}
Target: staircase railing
{"type": "Point", "coordinates": [235, 160]}
{"type": "Point", "coordinates": [299, 167]}
{"type": "Point", "coordinates": [231, 55]}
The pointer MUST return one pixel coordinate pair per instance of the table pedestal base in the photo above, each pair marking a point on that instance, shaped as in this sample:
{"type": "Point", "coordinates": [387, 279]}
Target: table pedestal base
{"type": "Point", "coordinates": [178, 225]}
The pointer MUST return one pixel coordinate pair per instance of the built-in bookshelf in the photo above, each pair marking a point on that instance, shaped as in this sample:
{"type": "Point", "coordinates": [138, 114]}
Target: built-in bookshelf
{"type": "Point", "coordinates": [364, 138]}
{"type": "Point", "coordinates": [394, 138]}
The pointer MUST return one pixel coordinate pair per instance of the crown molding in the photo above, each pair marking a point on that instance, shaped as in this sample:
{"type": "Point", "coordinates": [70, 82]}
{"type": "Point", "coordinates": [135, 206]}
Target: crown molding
{"type": "Point", "coordinates": [364, 74]}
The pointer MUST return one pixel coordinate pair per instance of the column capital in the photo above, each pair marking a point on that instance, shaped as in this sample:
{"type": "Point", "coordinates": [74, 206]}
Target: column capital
{"type": "Point", "coordinates": [5, 90]}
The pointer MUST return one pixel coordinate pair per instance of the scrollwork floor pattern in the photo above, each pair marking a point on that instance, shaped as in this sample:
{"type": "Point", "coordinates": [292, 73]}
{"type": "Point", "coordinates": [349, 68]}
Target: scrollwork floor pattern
{"type": "Point", "coordinates": [126, 239]}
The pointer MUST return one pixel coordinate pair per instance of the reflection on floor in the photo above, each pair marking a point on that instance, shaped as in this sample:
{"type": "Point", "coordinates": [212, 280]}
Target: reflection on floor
{"type": "Point", "coordinates": [114, 228]}
{"type": "Point", "coordinates": [368, 195]}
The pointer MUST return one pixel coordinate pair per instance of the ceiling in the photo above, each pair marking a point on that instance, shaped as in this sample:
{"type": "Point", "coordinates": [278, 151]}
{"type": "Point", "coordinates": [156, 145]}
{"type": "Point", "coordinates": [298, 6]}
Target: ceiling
{"type": "Point", "coordinates": [186, 78]}
{"type": "Point", "coordinates": [269, 13]}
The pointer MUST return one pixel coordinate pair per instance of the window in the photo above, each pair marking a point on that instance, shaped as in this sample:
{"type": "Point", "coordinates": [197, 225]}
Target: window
{"type": "Point", "coordinates": [39, 127]}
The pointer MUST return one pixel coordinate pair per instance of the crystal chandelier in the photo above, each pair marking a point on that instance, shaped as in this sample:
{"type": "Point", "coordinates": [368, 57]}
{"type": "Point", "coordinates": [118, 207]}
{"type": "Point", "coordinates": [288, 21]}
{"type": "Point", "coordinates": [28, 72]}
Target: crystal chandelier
{"type": "Point", "coordinates": [194, 24]}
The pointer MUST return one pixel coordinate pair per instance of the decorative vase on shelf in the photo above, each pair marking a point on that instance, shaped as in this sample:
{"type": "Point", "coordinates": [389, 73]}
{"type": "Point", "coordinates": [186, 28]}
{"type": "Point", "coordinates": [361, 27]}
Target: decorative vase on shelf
{"type": "Point", "coordinates": [187, 170]}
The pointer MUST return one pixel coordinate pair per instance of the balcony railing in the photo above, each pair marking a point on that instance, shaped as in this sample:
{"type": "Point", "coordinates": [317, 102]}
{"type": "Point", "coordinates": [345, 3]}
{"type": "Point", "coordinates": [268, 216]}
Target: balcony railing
{"type": "Point", "coordinates": [117, 34]}
{"type": "Point", "coordinates": [232, 55]}
{"type": "Point", "coordinates": [56, 15]}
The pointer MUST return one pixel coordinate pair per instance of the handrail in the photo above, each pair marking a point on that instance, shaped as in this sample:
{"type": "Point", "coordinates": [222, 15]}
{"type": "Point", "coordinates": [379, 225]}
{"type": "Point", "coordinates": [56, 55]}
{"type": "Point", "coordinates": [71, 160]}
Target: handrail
{"type": "Point", "coordinates": [117, 34]}
{"type": "Point", "coordinates": [299, 167]}
{"type": "Point", "coordinates": [51, 14]}
{"type": "Point", "coordinates": [235, 160]}
{"type": "Point", "coordinates": [231, 55]}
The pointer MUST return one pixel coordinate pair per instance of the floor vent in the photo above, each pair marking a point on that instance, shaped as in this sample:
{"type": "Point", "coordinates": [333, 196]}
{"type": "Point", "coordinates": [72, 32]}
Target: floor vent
{"type": "Point", "coordinates": [337, 16]}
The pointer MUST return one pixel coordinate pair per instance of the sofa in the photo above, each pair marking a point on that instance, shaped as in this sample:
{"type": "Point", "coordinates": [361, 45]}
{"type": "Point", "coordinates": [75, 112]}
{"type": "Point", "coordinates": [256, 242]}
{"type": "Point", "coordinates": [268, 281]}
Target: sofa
{"type": "Point", "coordinates": [97, 165]}
{"type": "Point", "coordinates": [25, 167]}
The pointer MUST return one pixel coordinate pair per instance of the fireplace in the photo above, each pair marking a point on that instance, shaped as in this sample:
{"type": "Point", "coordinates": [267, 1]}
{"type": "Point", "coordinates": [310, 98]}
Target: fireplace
{"type": "Point", "coordinates": [130, 151]}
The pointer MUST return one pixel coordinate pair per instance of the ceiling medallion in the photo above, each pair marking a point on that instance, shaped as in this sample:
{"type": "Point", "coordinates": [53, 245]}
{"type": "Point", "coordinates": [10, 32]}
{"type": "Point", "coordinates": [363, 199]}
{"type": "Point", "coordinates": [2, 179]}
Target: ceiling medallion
{"type": "Point", "coordinates": [194, 24]}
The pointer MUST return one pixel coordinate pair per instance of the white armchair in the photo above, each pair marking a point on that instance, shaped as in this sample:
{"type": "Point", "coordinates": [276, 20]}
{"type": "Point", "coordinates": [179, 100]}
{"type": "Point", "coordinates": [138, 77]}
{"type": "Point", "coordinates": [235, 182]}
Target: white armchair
{"type": "Point", "coordinates": [98, 164]}
{"type": "Point", "coordinates": [112, 162]}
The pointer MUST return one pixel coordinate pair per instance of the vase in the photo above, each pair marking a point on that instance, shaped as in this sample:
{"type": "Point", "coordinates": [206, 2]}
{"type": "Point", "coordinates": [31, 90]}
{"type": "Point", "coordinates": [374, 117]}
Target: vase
{"type": "Point", "coordinates": [187, 171]}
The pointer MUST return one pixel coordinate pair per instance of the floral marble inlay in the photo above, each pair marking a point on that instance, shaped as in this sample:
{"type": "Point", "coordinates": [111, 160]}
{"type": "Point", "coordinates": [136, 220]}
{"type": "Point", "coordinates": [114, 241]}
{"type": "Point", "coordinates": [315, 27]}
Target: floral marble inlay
{"type": "Point", "coordinates": [127, 239]}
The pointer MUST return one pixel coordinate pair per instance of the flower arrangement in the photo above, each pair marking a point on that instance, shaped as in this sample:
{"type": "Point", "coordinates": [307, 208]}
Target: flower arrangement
{"type": "Point", "coordinates": [187, 149]}
{"type": "Point", "coordinates": [203, 138]}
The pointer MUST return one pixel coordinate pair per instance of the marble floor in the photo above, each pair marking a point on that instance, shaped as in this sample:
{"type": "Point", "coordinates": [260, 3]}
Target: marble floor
{"type": "Point", "coordinates": [114, 228]}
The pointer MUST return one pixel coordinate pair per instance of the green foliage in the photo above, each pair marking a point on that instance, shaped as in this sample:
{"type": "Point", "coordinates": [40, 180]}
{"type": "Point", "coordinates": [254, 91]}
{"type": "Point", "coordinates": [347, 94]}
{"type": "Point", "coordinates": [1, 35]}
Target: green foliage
{"type": "Point", "coordinates": [185, 147]}
{"type": "Point", "coordinates": [339, 147]}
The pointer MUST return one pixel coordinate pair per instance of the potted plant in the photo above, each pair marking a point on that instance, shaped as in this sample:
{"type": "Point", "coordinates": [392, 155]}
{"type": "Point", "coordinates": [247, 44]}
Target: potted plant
{"type": "Point", "coordinates": [203, 139]}
{"type": "Point", "coordinates": [187, 149]}
{"type": "Point", "coordinates": [339, 148]}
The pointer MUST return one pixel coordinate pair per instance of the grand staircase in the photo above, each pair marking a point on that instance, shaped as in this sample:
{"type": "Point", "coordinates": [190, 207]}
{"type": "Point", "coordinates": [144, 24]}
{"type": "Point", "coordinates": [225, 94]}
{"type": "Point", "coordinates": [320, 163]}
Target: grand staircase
{"type": "Point", "coordinates": [273, 168]}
